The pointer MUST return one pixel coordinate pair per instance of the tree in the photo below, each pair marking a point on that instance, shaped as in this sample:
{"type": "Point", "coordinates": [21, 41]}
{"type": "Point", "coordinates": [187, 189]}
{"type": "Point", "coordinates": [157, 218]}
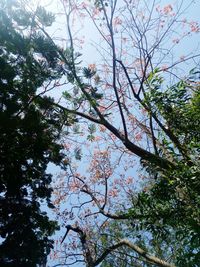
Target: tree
{"type": "Point", "coordinates": [29, 137]}
{"type": "Point", "coordinates": [136, 101]}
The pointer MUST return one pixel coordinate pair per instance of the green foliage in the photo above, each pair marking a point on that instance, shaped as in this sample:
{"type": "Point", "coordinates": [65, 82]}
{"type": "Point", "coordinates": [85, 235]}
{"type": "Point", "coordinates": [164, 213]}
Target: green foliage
{"type": "Point", "coordinates": [88, 73]}
{"type": "Point", "coordinates": [92, 130]}
{"type": "Point", "coordinates": [45, 18]}
{"type": "Point", "coordinates": [28, 139]}
{"type": "Point", "coordinates": [95, 94]}
{"type": "Point", "coordinates": [77, 153]}
{"type": "Point", "coordinates": [174, 195]}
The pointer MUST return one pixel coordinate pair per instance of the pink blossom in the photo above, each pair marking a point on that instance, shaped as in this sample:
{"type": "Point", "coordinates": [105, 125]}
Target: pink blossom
{"type": "Point", "coordinates": [138, 137]}
{"type": "Point", "coordinates": [102, 109]}
{"type": "Point", "coordinates": [67, 145]}
{"type": "Point", "coordinates": [117, 21]}
{"type": "Point", "coordinates": [97, 138]}
{"type": "Point", "coordinates": [113, 193]}
{"type": "Point", "coordinates": [167, 9]}
{"type": "Point", "coordinates": [83, 5]}
{"type": "Point", "coordinates": [164, 67]}
{"type": "Point", "coordinates": [95, 12]}
{"type": "Point", "coordinates": [129, 180]}
{"type": "Point", "coordinates": [194, 26]}
{"type": "Point", "coordinates": [92, 67]}
{"type": "Point", "coordinates": [102, 128]}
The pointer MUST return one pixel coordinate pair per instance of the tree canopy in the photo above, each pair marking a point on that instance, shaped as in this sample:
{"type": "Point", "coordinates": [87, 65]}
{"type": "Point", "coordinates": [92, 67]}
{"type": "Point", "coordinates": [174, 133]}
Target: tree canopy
{"type": "Point", "coordinates": [128, 123]}
{"type": "Point", "coordinates": [29, 134]}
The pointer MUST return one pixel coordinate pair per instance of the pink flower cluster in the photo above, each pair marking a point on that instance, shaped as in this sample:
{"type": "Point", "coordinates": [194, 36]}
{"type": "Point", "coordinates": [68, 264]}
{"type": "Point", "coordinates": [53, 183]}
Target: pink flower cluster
{"type": "Point", "coordinates": [167, 9]}
{"type": "Point", "coordinates": [194, 26]}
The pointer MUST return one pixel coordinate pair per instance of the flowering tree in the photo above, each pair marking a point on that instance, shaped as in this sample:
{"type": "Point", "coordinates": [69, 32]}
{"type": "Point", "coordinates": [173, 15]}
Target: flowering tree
{"type": "Point", "coordinates": [130, 188]}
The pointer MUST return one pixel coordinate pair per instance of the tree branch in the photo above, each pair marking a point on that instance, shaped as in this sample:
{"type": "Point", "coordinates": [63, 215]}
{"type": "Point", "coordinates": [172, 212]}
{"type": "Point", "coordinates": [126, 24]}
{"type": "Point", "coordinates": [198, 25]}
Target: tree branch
{"type": "Point", "coordinates": [124, 242]}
